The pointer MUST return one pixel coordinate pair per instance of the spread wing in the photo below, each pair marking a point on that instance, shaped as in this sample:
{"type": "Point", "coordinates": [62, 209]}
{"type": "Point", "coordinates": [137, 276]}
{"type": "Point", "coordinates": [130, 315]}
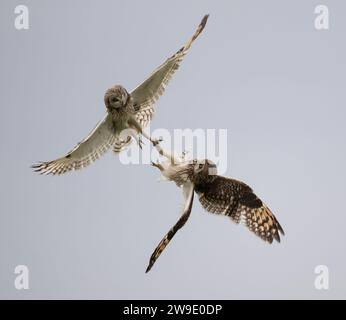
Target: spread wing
{"type": "Point", "coordinates": [188, 191]}
{"type": "Point", "coordinates": [121, 144]}
{"type": "Point", "coordinates": [148, 92]}
{"type": "Point", "coordinates": [236, 200]}
{"type": "Point", "coordinates": [144, 115]}
{"type": "Point", "coordinates": [86, 152]}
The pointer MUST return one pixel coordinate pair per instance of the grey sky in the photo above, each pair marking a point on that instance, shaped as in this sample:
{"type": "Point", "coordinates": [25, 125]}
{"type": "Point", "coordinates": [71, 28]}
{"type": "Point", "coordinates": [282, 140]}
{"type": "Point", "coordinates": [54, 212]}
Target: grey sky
{"type": "Point", "coordinates": [260, 69]}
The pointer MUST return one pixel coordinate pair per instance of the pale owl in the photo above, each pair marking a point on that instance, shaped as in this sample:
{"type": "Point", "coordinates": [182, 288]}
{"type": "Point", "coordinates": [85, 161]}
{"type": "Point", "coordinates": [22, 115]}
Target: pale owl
{"type": "Point", "coordinates": [127, 114]}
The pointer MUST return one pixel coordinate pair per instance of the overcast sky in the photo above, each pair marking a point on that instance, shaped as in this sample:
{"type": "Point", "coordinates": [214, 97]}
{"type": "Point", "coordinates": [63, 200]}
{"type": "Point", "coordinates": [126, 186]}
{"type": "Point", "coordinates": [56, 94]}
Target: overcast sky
{"type": "Point", "coordinates": [260, 70]}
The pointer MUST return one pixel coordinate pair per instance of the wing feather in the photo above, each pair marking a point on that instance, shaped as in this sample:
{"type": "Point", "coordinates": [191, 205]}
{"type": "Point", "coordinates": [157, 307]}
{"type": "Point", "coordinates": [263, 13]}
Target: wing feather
{"type": "Point", "coordinates": [188, 191]}
{"type": "Point", "coordinates": [121, 144]}
{"type": "Point", "coordinates": [236, 200]}
{"type": "Point", "coordinates": [148, 92]}
{"type": "Point", "coordinates": [100, 139]}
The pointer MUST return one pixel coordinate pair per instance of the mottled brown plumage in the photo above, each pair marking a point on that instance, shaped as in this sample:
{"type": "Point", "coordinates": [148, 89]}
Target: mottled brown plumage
{"type": "Point", "coordinates": [235, 199]}
{"type": "Point", "coordinates": [219, 195]}
{"type": "Point", "coordinates": [188, 195]}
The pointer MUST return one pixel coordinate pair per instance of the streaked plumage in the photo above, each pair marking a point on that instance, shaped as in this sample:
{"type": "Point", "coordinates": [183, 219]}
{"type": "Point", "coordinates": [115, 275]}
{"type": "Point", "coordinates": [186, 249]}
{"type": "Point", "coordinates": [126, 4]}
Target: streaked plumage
{"type": "Point", "coordinates": [125, 111]}
{"type": "Point", "coordinates": [188, 192]}
{"type": "Point", "coordinates": [219, 195]}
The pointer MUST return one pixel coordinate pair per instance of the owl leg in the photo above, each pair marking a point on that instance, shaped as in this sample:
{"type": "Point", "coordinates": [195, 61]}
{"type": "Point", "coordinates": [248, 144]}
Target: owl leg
{"type": "Point", "coordinates": [155, 142]}
{"type": "Point", "coordinates": [140, 142]}
{"type": "Point", "coordinates": [133, 133]}
{"type": "Point", "coordinates": [170, 156]}
{"type": "Point", "coordinates": [136, 126]}
{"type": "Point", "coordinates": [157, 165]}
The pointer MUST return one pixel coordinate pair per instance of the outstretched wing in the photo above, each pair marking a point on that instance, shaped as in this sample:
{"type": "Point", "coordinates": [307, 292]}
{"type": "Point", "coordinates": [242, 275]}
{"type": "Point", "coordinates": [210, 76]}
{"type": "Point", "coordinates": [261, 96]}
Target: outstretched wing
{"type": "Point", "coordinates": [86, 152]}
{"type": "Point", "coordinates": [148, 92]}
{"type": "Point", "coordinates": [121, 144]}
{"type": "Point", "coordinates": [144, 115]}
{"type": "Point", "coordinates": [188, 191]}
{"type": "Point", "coordinates": [236, 200]}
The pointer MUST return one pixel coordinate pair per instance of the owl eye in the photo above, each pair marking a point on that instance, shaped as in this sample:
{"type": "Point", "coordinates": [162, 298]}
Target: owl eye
{"type": "Point", "coordinates": [200, 166]}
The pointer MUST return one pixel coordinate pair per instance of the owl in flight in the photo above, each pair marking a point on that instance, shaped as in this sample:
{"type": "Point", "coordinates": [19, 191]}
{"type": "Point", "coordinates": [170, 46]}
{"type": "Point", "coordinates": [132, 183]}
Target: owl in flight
{"type": "Point", "coordinates": [217, 194]}
{"type": "Point", "coordinates": [127, 115]}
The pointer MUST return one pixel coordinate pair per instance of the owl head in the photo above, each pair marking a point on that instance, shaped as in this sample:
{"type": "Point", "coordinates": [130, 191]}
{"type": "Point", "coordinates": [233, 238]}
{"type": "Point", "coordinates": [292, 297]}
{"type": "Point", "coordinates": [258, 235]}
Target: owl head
{"type": "Point", "coordinates": [202, 169]}
{"type": "Point", "coordinates": [116, 98]}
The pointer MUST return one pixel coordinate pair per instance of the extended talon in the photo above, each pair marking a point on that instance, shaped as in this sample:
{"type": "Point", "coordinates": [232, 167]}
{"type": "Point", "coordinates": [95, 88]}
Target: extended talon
{"type": "Point", "coordinates": [155, 142]}
{"type": "Point", "coordinates": [184, 153]}
{"type": "Point", "coordinates": [140, 142]}
{"type": "Point", "coordinates": [157, 165]}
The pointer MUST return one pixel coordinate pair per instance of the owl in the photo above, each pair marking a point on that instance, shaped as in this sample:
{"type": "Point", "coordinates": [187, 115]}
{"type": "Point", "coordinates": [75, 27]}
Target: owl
{"type": "Point", "coordinates": [127, 113]}
{"type": "Point", "coordinates": [217, 194]}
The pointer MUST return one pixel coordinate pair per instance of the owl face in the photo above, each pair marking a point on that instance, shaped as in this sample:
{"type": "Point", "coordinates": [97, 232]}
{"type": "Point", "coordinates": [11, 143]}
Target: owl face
{"type": "Point", "coordinates": [203, 168]}
{"type": "Point", "coordinates": [116, 98]}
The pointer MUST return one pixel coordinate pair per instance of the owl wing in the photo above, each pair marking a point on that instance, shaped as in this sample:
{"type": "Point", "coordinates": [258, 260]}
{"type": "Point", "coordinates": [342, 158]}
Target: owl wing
{"type": "Point", "coordinates": [236, 200]}
{"type": "Point", "coordinates": [188, 192]}
{"type": "Point", "coordinates": [91, 148]}
{"type": "Point", "coordinates": [148, 92]}
{"type": "Point", "coordinates": [121, 144]}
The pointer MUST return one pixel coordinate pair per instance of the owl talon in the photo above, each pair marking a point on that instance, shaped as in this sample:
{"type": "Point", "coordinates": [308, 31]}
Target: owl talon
{"type": "Point", "coordinates": [184, 153]}
{"type": "Point", "coordinates": [155, 142]}
{"type": "Point", "coordinates": [157, 165]}
{"type": "Point", "coordinates": [140, 142]}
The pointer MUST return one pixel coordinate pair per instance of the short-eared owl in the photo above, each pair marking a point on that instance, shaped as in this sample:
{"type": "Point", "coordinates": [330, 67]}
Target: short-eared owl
{"type": "Point", "coordinates": [218, 195]}
{"type": "Point", "coordinates": [127, 114]}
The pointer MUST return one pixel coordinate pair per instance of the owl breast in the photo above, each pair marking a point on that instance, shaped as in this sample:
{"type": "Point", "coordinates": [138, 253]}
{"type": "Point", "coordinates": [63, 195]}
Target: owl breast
{"type": "Point", "coordinates": [120, 122]}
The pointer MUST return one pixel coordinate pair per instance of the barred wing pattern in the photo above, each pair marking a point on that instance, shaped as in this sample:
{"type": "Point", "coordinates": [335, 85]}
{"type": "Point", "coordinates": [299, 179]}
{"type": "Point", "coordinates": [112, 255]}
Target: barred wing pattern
{"type": "Point", "coordinates": [144, 115]}
{"type": "Point", "coordinates": [188, 191]}
{"type": "Point", "coordinates": [90, 149]}
{"type": "Point", "coordinates": [121, 144]}
{"type": "Point", "coordinates": [148, 92]}
{"type": "Point", "coordinates": [236, 200]}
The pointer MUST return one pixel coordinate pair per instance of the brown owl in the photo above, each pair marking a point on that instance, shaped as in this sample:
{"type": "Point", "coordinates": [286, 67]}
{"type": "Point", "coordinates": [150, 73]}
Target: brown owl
{"type": "Point", "coordinates": [217, 194]}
